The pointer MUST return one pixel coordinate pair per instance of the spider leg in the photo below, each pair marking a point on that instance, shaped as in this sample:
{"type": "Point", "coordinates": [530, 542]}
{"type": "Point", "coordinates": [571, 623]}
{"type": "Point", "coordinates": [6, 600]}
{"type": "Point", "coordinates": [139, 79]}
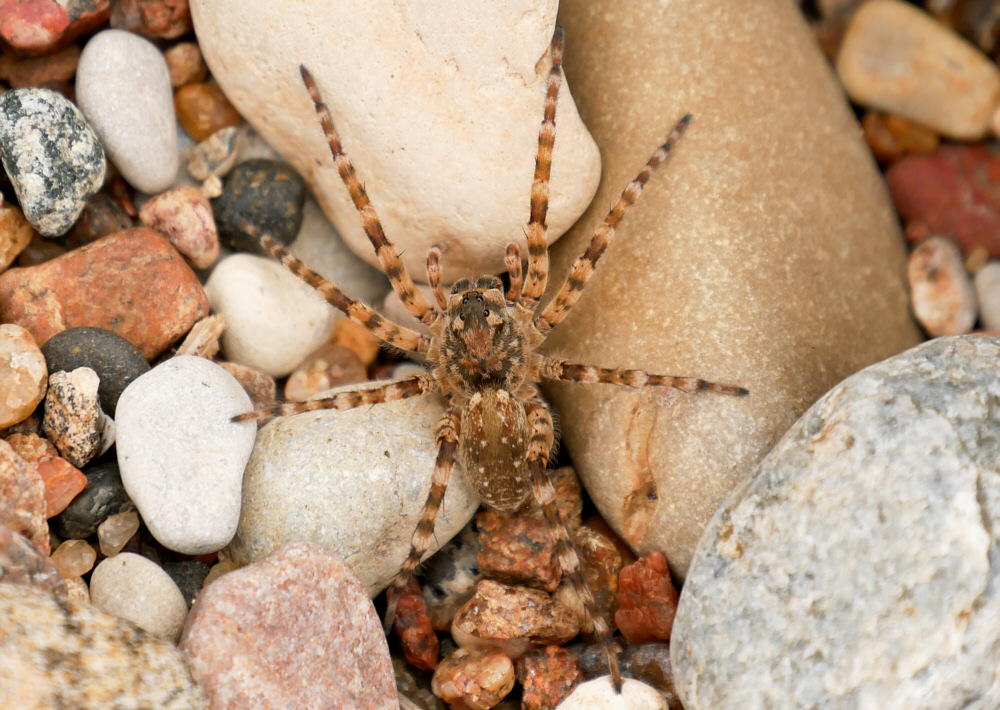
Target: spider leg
{"type": "Point", "coordinates": [385, 330]}
{"type": "Point", "coordinates": [514, 270]}
{"type": "Point", "coordinates": [404, 389]}
{"type": "Point", "coordinates": [447, 437]}
{"type": "Point", "coordinates": [560, 306]}
{"type": "Point", "coordinates": [542, 439]}
{"type": "Point", "coordinates": [384, 249]}
{"type": "Point", "coordinates": [538, 250]}
{"type": "Point", "coordinates": [553, 369]}
{"type": "Point", "coordinates": [434, 276]}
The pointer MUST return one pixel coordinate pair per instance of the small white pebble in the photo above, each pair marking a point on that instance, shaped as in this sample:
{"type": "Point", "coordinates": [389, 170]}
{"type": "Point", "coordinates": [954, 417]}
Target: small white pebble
{"type": "Point", "coordinates": [135, 588]}
{"type": "Point", "coordinates": [599, 694]}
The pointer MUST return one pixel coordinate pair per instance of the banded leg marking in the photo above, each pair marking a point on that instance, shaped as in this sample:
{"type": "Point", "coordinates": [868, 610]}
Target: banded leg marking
{"type": "Point", "coordinates": [572, 372]}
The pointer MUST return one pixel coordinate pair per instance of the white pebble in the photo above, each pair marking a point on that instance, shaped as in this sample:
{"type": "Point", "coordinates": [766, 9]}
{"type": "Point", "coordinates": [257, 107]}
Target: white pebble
{"type": "Point", "coordinates": [135, 588]}
{"type": "Point", "coordinates": [599, 694]}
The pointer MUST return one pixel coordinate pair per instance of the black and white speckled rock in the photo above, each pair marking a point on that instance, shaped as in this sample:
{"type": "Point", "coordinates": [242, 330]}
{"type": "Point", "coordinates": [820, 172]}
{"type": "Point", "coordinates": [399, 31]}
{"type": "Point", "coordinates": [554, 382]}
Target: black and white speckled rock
{"type": "Point", "coordinates": [73, 418]}
{"type": "Point", "coordinates": [860, 567]}
{"type": "Point", "coordinates": [266, 193]}
{"type": "Point", "coordinates": [103, 496]}
{"type": "Point", "coordinates": [52, 156]}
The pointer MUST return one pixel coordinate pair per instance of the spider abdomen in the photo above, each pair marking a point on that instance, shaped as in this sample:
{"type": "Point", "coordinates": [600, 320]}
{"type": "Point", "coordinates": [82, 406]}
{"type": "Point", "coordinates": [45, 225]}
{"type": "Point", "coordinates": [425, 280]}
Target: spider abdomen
{"type": "Point", "coordinates": [493, 447]}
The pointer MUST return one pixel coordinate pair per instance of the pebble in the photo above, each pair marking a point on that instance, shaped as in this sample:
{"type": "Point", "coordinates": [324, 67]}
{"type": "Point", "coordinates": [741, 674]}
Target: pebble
{"type": "Point", "coordinates": [599, 694]}
{"type": "Point", "coordinates": [473, 679]}
{"type": "Point", "coordinates": [135, 588]}
{"type": "Point", "coordinates": [115, 532]}
{"type": "Point", "coordinates": [266, 193]}
{"type": "Point", "coordinates": [189, 576]}
{"type": "Point", "coordinates": [303, 629]}
{"type": "Point", "coordinates": [184, 216]}
{"type": "Point", "coordinates": [951, 191]}
{"type": "Point", "coordinates": [22, 72]}
{"type": "Point", "coordinates": [74, 558]}
{"type": "Point", "coordinates": [359, 339]}
{"type": "Point", "coordinates": [101, 216]}
{"type": "Point", "coordinates": [897, 58]}
{"type": "Point", "coordinates": [70, 654]}
{"type": "Point", "coordinates": [123, 88]}
{"type": "Point", "coordinates": [517, 549]}
{"type": "Point", "coordinates": [512, 619]}
{"type": "Point", "coordinates": [23, 563]}
{"type": "Point", "coordinates": [137, 286]}
{"type": "Point", "coordinates": [987, 284]}
{"type": "Point", "coordinates": [31, 447]}
{"type": "Point", "coordinates": [63, 482]}
{"type": "Point", "coordinates": [647, 600]}
{"type": "Point", "coordinates": [413, 627]}
{"type": "Point", "coordinates": [44, 26]}
{"type": "Point", "coordinates": [181, 458]}
{"type": "Point", "coordinates": [115, 360]}
{"type": "Point", "coordinates": [185, 64]}
{"type": "Point", "coordinates": [22, 498]}
{"type": "Point", "coordinates": [73, 418]}
{"type": "Point", "coordinates": [51, 155]}
{"type": "Point", "coordinates": [891, 137]}
{"type": "Point", "coordinates": [203, 109]}
{"type": "Point", "coordinates": [941, 292]}
{"type": "Point", "coordinates": [22, 373]}
{"type": "Point", "coordinates": [15, 234]}
{"type": "Point", "coordinates": [601, 561]}
{"type": "Point", "coordinates": [854, 568]}
{"type": "Point", "coordinates": [38, 251]}
{"type": "Point", "coordinates": [370, 466]}
{"type": "Point", "coordinates": [102, 496]}
{"type": "Point", "coordinates": [77, 589]}
{"type": "Point", "coordinates": [258, 385]}
{"type": "Point", "coordinates": [328, 367]}
{"type": "Point", "coordinates": [547, 675]}
{"type": "Point", "coordinates": [214, 156]}
{"type": "Point", "coordinates": [658, 463]}
{"type": "Point", "coordinates": [449, 577]}
{"type": "Point", "coordinates": [273, 319]}
{"type": "Point", "coordinates": [649, 663]}
{"type": "Point", "coordinates": [156, 19]}
{"type": "Point", "coordinates": [203, 338]}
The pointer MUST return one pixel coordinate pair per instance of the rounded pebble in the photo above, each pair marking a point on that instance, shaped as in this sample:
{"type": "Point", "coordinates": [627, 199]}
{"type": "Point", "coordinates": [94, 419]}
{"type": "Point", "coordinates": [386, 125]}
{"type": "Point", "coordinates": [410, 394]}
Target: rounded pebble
{"type": "Point", "coordinates": [15, 234]}
{"type": "Point", "coordinates": [941, 292]}
{"type": "Point", "coordinates": [987, 284]}
{"type": "Point", "coordinates": [23, 375]}
{"type": "Point", "coordinates": [473, 678]}
{"type": "Point", "coordinates": [52, 156]}
{"type": "Point", "coordinates": [203, 109]}
{"type": "Point", "coordinates": [103, 496]}
{"type": "Point", "coordinates": [328, 367]}
{"type": "Point", "coordinates": [123, 87]}
{"type": "Point", "coordinates": [184, 217]}
{"type": "Point", "coordinates": [181, 457]}
{"type": "Point", "coordinates": [266, 193]}
{"type": "Point", "coordinates": [43, 26]}
{"type": "Point", "coordinates": [599, 694]}
{"type": "Point", "coordinates": [135, 588]}
{"type": "Point", "coordinates": [185, 64]}
{"type": "Point", "coordinates": [74, 558]}
{"type": "Point", "coordinates": [63, 482]}
{"type": "Point", "coordinates": [189, 576]}
{"type": "Point", "coordinates": [115, 532]}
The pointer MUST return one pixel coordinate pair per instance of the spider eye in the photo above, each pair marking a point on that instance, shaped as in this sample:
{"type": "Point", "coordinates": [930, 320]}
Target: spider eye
{"type": "Point", "coordinates": [461, 316]}
{"type": "Point", "coordinates": [479, 298]}
{"type": "Point", "coordinates": [486, 313]}
{"type": "Point", "coordinates": [465, 300]}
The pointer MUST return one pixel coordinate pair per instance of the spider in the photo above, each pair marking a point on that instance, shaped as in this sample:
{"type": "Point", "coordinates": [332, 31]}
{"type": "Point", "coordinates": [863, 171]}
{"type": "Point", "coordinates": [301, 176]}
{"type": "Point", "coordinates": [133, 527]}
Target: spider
{"type": "Point", "coordinates": [483, 355]}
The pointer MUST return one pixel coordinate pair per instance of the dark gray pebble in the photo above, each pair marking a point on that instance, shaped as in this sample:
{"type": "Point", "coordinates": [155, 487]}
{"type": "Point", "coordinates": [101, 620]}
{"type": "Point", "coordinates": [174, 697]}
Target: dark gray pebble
{"type": "Point", "coordinates": [103, 496]}
{"type": "Point", "coordinates": [266, 193]}
{"type": "Point", "coordinates": [115, 360]}
{"type": "Point", "coordinates": [188, 575]}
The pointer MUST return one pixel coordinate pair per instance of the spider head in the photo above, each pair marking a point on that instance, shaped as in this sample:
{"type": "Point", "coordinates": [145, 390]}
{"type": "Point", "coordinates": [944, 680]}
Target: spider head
{"type": "Point", "coordinates": [479, 322]}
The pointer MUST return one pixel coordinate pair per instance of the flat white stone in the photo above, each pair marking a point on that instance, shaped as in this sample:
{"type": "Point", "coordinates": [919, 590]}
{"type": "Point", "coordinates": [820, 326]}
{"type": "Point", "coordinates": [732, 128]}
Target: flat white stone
{"type": "Point", "coordinates": [133, 587]}
{"type": "Point", "coordinates": [123, 88]}
{"type": "Point", "coordinates": [181, 457]}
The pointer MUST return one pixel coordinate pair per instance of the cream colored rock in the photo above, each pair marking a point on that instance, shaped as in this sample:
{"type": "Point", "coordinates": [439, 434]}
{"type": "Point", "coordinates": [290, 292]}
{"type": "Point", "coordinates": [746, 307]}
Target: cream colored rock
{"type": "Point", "coordinates": [765, 253]}
{"type": "Point", "coordinates": [135, 588]}
{"type": "Point", "coordinates": [437, 104]}
{"type": "Point", "coordinates": [897, 58]}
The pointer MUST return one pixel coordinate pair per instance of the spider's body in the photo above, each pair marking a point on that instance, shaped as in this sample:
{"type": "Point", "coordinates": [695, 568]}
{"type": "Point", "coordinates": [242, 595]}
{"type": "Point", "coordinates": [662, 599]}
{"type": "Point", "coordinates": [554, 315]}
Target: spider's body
{"type": "Point", "coordinates": [483, 356]}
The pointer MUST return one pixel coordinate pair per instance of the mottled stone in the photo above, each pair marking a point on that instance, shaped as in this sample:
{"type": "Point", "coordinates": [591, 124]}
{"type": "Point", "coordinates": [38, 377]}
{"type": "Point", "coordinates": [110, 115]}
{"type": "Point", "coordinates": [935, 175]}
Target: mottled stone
{"type": "Point", "coordinates": [891, 137]}
{"type": "Point", "coordinates": [258, 385]}
{"type": "Point", "coordinates": [547, 675]}
{"type": "Point", "coordinates": [102, 496]}
{"type": "Point", "coordinates": [215, 155]}
{"type": "Point", "coordinates": [449, 577]}
{"type": "Point", "coordinates": [73, 418]}
{"type": "Point", "coordinates": [941, 292]}
{"type": "Point", "coordinates": [987, 284]}
{"type": "Point", "coordinates": [137, 286]}
{"type": "Point", "coordinates": [266, 193]}
{"type": "Point", "coordinates": [31, 447]}
{"type": "Point", "coordinates": [15, 234]}
{"type": "Point", "coordinates": [517, 549]}
{"type": "Point", "coordinates": [411, 624]}
{"type": "Point", "coordinates": [203, 109]}
{"type": "Point", "coordinates": [157, 19]}
{"type": "Point", "coordinates": [858, 567]}
{"type": "Point", "coordinates": [20, 72]}
{"type": "Point", "coordinates": [602, 557]}
{"type": "Point", "coordinates": [52, 156]}
{"type": "Point", "coordinates": [135, 588]}
{"type": "Point", "coordinates": [358, 338]}
{"type": "Point", "coordinates": [37, 27]}
{"type": "Point", "coordinates": [184, 216]}
{"type": "Point", "coordinates": [647, 600]}
{"type": "Point", "coordinates": [74, 558]}
{"type": "Point", "coordinates": [295, 629]}
{"type": "Point", "coordinates": [473, 679]}
{"type": "Point", "coordinates": [23, 563]}
{"type": "Point", "coordinates": [185, 64]}
{"type": "Point", "coordinates": [63, 482]}
{"type": "Point", "coordinates": [123, 88]}
{"type": "Point", "coordinates": [328, 367]}
{"type": "Point", "coordinates": [22, 498]}
{"type": "Point", "coordinates": [599, 694]}
{"type": "Point", "coordinates": [714, 229]}
{"type": "Point", "coordinates": [23, 375]}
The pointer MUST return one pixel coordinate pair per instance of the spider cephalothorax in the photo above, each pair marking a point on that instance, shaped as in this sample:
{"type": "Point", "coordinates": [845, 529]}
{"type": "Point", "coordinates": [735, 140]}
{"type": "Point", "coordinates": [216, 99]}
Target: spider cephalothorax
{"type": "Point", "coordinates": [483, 355]}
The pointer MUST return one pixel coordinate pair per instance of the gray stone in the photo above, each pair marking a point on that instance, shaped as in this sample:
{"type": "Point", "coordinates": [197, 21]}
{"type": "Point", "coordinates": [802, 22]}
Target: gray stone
{"type": "Point", "coordinates": [352, 481]}
{"type": "Point", "coordinates": [181, 457]}
{"type": "Point", "coordinates": [859, 567]}
{"type": "Point", "coordinates": [52, 156]}
{"type": "Point", "coordinates": [123, 88]}
{"type": "Point", "coordinates": [103, 496]}
{"type": "Point", "coordinates": [135, 588]}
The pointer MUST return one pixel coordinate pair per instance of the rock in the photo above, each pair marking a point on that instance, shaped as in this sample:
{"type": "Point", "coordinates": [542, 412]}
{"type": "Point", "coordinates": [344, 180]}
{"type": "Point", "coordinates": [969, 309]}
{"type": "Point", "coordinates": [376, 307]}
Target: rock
{"type": "Point", "coordinates": [15, 234]}
{"type": "Point", "coordinates": [31, 447]}
{"type": "Point", "coordinates": [517, 549]}
{"type": "Point", "coordinates": [987, 284]}
{"type": "Point", "coordinates": [135, 588]}
{"type": "Point", "coordinates": [547, 675]}
{"type": "Point", "coordinates": [23, 563]}
{"type": "Point", "coordinates": [258, 385]}
{"type": "Point", "coordinates": [647, 600]}
{"type": "Point", "coordinates": [328, 367]}
{"type": "Point", "coordinates": [599, 694]}
{"type": "Point", "coordinates": [854, 569]}
{"type": "Point", "coordinates": [74, 558]}
{"type": "Point", "coordinates": [189, 576]}
{"type": "Point", "coordinates": [77, 589]}
{"type": "Point", "coordinates": [273, 319]}
{"type": "Point", "coordinates": [412, 686]}
{"type": "Point", "coordinates": [203, 338]}
{"type": "Point", "coordinates": [70, 654]}
{"type": "Point", "coordinates": [649, 663]}
{"type": "Point", "coordinates": [184, 216]}
{"type": "Point", "coordinates": [602, 557]}
{"type": "Point", "coordinates": [123, 88]}
{"type": "Point", "coordinates": [214, 156]}
{"type": "Point", "coordinates": [941, 292]}
{"type": "Point", "coordinates": [22, 374]}
{"type": "Point", "coordinates": [156, 19]}
{"type": "Point", "coordinates": [724, 194]}
{"type": "Point", "coordinates": [63, 482]}
{"type": "Point", "coordinates": [411, 624]}
{"type": "Point", "coordinates": [103, 496]}
{"type": "Point", "coordinates": [137, 286]}
{"type": "Point", "coordinates": [203, 109]}
{"type": "Point", "coordinates": [352, 481]}
{"type": "Point", "coordinates": [101, 216]}
{"type": "Point", "coordinates": [73, 419]}
{"type": "Point", "coordinates": [52, 156]}
{"type": "Point", "coordinates": [115, 360]}
{"type": "Point", "coordinates": [115, 532]}
{"type": "Point", "coordinates": [891, 137]}
{"type": "Point", "coordinates": [359, 339]}
{"type": "Point", "coordinates": [22, 498]}
{"type": "Point", "coordinates": [21, 72]}
{"type": "Point", "coordinates": [262, 615]}
{"type": "Point", "coordinates": [267, 194]}
{"type": "Point", "coordinates": [38, 251]}
{"type": "Point", "coordinates": [473, 679]}
{"type": "Point", "coordinates": [42, 27]}
{"type": "Point", "coordinates": [896, 58]}
{"type": "Point", "coordinates": [185, 64]}
{"type": "Point", "coordinates": [181, 456]}
{"type": "Point", "coordinates": [449, 577]}
{"type": "Point", "coordinates": [427, 111]}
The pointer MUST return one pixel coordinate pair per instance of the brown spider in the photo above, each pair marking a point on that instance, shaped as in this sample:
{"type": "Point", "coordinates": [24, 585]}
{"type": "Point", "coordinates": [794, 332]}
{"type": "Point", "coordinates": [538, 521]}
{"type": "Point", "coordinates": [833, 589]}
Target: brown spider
{"type": "Point", "coordinates": [483, 355]}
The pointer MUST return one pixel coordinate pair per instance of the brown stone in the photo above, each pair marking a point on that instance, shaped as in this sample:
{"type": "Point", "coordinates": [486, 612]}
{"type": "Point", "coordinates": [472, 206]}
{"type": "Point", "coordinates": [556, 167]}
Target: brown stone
{"type": "Point", "coordinates": [358, 338]}
{"type": "Point", "coordinates": [101, 216]}
{"type": "Point", "coordinates": [31, 447]}
{"type": "Point", "coordinates": [259, 385]}
{"type": "Point", "coordinates": [741, 263]}
{"type": "Point", "coordinates": [517, 549]}
{"type": "Point", "coordinates": [185, 64]}
{"type": "Point", "coordinates": [156, 19]}
{"type": "Point", "coordinates": [63, 482]}
{"type": "Point", "coordinates": [420, 644]}
{"type": "Point", "coordinates": [23, 563]}
{"type": "Point", "coordinates": [184, 216]}
{"type": "Point", "coordinates": [647, 600]}
{"type": "Point", "coordinates": [15, 234]}
{"type": "Point", "coordinates": [39, 71]}
{"type": "Point", "coordinates": [473, 679]}
{"type": "Point", "coordinates": [36, 27]}
{"type": "Point", "coordinates": [328, 367]}
{"type": "Point", "coordinates": [203, 109]}
{"type": "Point", "coordinates": [38, 251]}
{"type": "Point", "coordinates": [133, 283]}
{"type": "Point", "coordinates": [891, 137]}
{"type": "Point", "coordinates": [22, 498]}
{"type": "Point", "coordinates": [23, 375]}
{"type": "Point", "coordinates": [547, 675]}
{"type": "Point", "coordinates": [601, 561]}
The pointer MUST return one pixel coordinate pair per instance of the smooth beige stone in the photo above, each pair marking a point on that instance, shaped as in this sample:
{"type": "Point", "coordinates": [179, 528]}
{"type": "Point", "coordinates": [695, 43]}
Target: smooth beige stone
{"type": "Point", "coordinates": [438, 108]}
{"type": "Point", "coordinates": [898, 59]}
{"type": "Point", "coordinates": [765, 253]}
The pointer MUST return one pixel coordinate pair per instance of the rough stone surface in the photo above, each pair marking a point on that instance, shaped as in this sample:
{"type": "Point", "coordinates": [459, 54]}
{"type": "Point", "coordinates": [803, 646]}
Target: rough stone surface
{"type": "Point", "coordinates": [101, 216]}
{"type": "Point", "coordinates": [23, 375]}
{"type": "Point", "coordinates": [353, 481]}
{"type": "Point", "coordinates": [157, 19]}
{"type": "Point", "coordinates": [63, 482]}
{"type": "Point", "coordinates": [123, 88]}
{"type": "Point", "coordinates": [328, 367]}
{"type": "Point", "coordinates": [987, 284]}
{"type": "Point", "coordinates": [647, 600]}
{"type": "Point", "coordinates": [941, 292]}
{"type": "Point", "coordinates": [184, 216]}
{"type": "Point", "coordinates": [547, 675]}
{"type": "Point", "coordinates": [181, 457]}
{"type": "Point", "coordinates": [22, 498]}
{"type": "Point", "coordinates": [103, 495]}
{"type": "Point", "coordinates": [137, 285]}
{"type": "Point", "coordinates": [51, 155]}
{"type": "Point", "coordinates": [473, 678]}
{"type": "Point", "coordinates": [438, 111]}
{"type": "Point", "coordinates": [413, 627]}
{"type": "Point", "coordinates": [73, 418]}
{"type": "Point", "coordinates": [135, 588]}
{"type": "Point", "coordinates": [266, 193]}
{"type": "Point", "coordinates": [23, 563]}
{"type": "Point", "coordinates": [42, 26]}
{"type": "Point", "coordinates": [71, 654]}
{"type": "Point", "coordinates": [858, 568]}
{"type": "Point", "coordinates": [15, 234]}
{"type": "Point", "coordinates": [259, 385]}
{"type": "Point", "coordinates": [215, 155]}
{"type": "Point", "coordinates": [294, 630]}
{"type": "Point", "coordinates": [599, 694]}
{"type": "Point", "coordinates": [707, 274]}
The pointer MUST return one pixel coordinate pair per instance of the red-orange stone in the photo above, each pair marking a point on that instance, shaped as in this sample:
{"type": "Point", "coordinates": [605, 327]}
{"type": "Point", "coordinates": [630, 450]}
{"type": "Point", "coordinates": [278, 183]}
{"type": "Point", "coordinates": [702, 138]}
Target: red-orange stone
{"type": "Point", "coordinates": [63, 482]}
{"type": "Point", "coordinates": [647, 600]}
{"type": "Point", "coordinates": [203, 109]}
{"type": "Point", "coordinates": [547, 675]}
{"type": "Point", "coordinates": [420, 644]}
{"type": "Point", "coordinates": [133, 283]}
{"type": "Point", "coordinates": [36, 27]}
{"type": "Point", "coordinates": [22, 498]}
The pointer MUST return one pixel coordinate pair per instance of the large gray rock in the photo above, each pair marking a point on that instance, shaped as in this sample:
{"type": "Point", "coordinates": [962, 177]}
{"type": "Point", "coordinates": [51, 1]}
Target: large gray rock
{"type": "Point", "coordinates": [860, 568]}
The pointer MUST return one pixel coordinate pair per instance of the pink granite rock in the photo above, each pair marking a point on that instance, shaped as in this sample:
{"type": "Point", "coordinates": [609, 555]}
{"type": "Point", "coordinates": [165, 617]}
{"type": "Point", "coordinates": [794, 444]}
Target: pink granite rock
{"type": "Point", "coordinates": [22, 498]}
